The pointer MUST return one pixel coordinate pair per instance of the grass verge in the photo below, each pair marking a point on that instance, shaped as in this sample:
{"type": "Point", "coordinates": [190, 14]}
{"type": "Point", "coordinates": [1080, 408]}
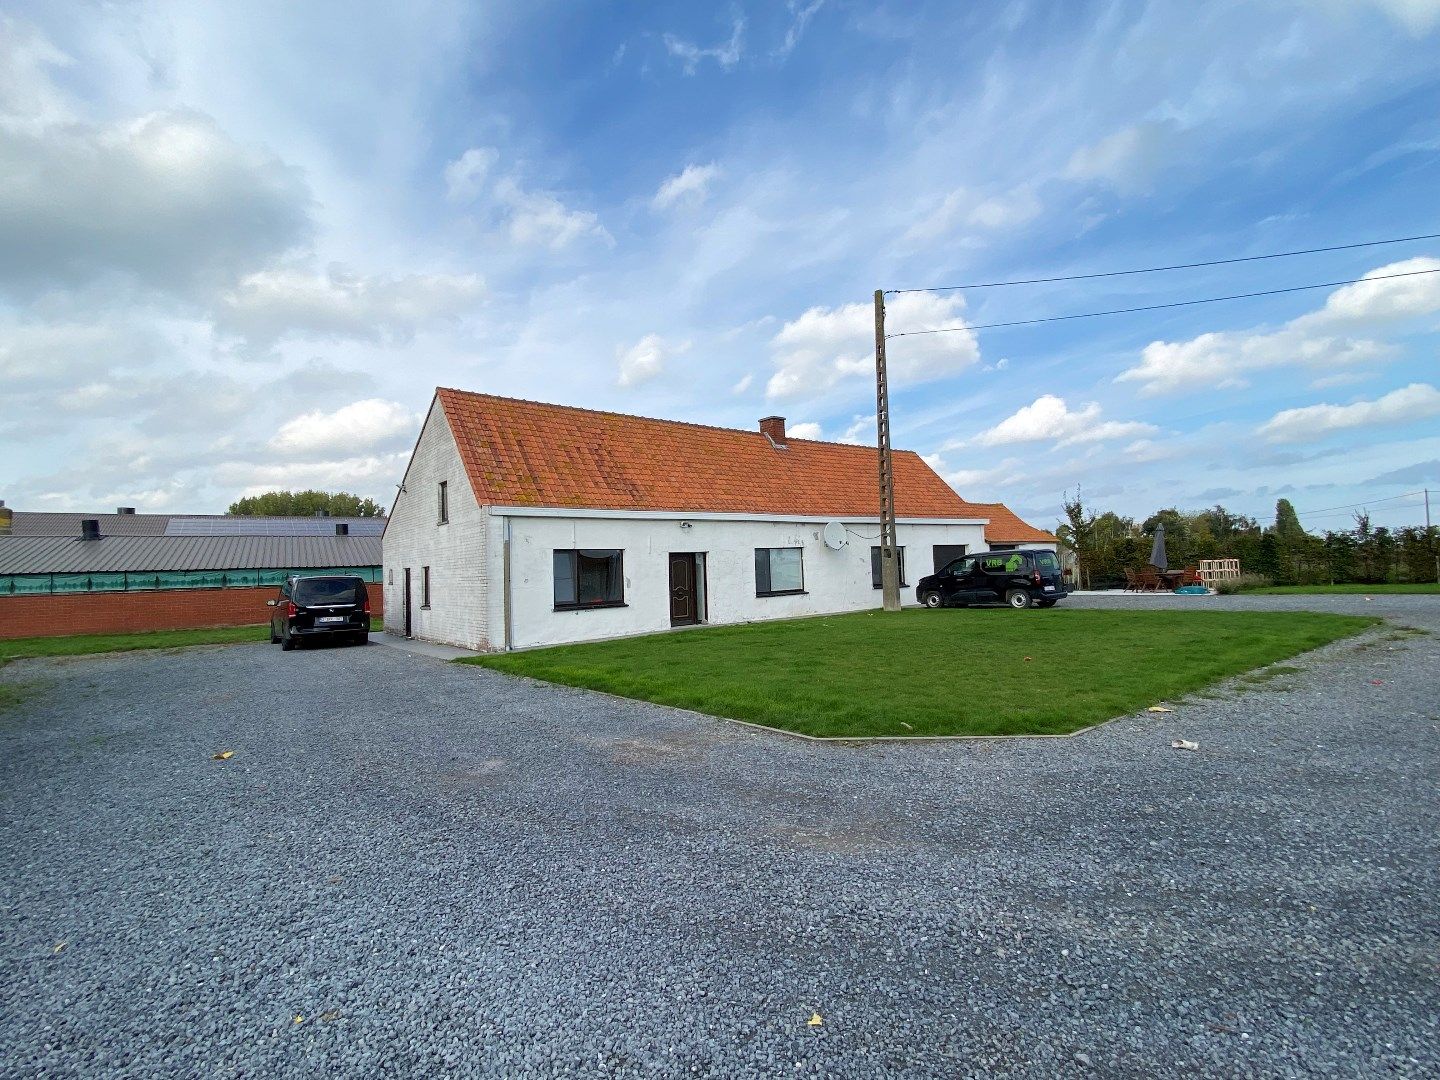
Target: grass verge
{"type": "Point", "coordinates": [1343, 590]}
{"type": "Point", "coordinates": [952, 672]}
{"type": "Point", "coordinates": [81, 644]}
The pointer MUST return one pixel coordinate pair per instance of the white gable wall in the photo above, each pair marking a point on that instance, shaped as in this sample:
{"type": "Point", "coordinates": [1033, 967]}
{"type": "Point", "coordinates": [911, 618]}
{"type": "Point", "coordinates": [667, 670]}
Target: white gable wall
{"type": "Point", "coordinates": [455, 552]}
{"type": "Point", "coordinates": [835, 581]}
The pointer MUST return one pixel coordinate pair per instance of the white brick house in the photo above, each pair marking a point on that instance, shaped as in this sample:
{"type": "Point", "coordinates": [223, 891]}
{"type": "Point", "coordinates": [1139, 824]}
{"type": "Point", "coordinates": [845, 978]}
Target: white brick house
{"type": "Point", "coordinates": [522, 524]}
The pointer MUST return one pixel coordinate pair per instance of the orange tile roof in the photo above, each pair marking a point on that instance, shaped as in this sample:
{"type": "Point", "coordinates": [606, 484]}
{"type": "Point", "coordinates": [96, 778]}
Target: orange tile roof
{"type": "Point", "coordinates": [1006, 527]}
{"type": "Point", "coordinates": [525, 453]}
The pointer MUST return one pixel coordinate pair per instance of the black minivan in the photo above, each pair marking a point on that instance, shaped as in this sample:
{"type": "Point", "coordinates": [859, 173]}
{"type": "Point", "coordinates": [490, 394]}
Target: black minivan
{"type": "Point", "coordinates": [1019, 578]}
{"type": "Point", "coordinates": [336, 606]}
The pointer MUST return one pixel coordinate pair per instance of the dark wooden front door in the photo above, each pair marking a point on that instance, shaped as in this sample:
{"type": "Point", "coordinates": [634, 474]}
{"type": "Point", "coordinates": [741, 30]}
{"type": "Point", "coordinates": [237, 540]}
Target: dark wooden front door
{"type": "Point", "coordinates": [407, 601]}
{"type": "Point", "coordinates": [684, 603]}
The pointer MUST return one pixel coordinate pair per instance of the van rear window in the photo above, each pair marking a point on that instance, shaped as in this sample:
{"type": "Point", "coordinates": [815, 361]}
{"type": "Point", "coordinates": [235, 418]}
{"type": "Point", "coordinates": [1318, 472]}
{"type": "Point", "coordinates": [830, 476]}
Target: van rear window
{"type": "Point", "coordinates": [326, 590]}
{"type": "Point", "coordinates": [1046, 563]}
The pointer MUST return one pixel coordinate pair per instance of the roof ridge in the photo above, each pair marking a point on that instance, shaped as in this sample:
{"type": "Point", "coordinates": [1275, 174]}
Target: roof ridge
{"type": "Point", "coordinates": [656, 419]}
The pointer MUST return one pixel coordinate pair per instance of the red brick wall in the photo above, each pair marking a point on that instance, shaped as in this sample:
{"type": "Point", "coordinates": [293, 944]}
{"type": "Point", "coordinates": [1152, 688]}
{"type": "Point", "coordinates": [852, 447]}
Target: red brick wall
{"type": "Point", "coordinates": [130, 612]}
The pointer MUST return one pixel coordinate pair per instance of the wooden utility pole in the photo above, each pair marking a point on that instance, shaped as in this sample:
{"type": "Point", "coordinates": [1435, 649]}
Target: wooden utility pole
{"type": "Point", "coordinates": [889, 570]}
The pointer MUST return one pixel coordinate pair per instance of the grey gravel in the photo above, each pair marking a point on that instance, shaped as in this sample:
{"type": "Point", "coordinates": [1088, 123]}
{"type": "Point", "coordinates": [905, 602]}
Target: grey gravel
{"type": "Point", "coordinates": [448, 871]}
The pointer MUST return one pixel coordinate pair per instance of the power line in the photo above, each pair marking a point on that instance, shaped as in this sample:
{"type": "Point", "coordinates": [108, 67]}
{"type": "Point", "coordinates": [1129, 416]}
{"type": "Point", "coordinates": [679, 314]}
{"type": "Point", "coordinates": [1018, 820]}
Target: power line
{"type": "Point", "coordinates": [1368, 502]}
{"type": "Point", "coordinates": [1161, 307]}
{"type": "Point", "coordinates": [1159, 269]}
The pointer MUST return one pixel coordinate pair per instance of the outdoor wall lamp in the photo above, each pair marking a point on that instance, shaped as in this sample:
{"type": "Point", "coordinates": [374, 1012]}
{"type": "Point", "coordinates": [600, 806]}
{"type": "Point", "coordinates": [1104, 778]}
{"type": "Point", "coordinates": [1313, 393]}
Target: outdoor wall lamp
{"type": "Point", "coordinates": [684, 524]}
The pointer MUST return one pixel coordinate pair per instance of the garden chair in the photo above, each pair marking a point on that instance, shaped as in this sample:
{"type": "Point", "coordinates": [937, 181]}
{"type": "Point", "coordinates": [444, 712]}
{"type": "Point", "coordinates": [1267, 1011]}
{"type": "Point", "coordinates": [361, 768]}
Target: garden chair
{"type": "Point", "coordinates": [1148, 580]}
{"type": "Point", "coordinates": [1131, 584]}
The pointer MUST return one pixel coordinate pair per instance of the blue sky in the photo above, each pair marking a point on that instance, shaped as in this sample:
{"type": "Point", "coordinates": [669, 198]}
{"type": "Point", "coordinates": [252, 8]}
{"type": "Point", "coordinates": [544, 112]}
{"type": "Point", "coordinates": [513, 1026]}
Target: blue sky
{"type": "Point", "coordinates": [241, 244]}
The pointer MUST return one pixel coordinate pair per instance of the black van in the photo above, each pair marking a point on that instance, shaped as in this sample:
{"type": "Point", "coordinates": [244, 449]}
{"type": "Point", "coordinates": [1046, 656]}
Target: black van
{"type": "Point", "coordinates": [325, 605]}
{"type": "Point", "coordinates": [1018, 578]}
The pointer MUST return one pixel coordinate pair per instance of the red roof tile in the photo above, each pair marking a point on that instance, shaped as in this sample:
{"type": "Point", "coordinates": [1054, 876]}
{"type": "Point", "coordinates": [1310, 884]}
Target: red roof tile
{"type": "Point", "coordinates": [525, 453]}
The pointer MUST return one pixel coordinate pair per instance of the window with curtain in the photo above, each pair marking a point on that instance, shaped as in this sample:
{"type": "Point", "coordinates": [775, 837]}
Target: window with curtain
{"type": "Point", "coordinates": [589, 577]}
{"type": "Point", "coordinates": [779, 571]}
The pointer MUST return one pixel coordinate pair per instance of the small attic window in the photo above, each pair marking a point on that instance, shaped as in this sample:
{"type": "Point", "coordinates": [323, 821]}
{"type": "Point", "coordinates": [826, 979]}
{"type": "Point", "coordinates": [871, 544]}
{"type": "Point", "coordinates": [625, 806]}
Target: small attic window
{"type": "Point", "coordinates": [444, 503]}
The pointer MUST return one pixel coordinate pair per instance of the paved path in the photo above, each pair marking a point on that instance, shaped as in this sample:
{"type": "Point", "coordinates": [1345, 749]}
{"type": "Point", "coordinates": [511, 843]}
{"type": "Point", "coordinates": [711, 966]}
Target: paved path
{"type": "Point", "coordinates": [413, 868]}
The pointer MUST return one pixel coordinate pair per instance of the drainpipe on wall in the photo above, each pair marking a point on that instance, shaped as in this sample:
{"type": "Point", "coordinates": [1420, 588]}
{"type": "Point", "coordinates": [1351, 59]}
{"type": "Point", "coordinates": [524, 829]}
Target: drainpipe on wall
{"type": "Point", "coordinates": [505, 549]}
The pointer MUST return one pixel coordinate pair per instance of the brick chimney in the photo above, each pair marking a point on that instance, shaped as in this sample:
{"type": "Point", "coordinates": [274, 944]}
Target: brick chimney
{"type": "Point", "coordinates": [773, 428]}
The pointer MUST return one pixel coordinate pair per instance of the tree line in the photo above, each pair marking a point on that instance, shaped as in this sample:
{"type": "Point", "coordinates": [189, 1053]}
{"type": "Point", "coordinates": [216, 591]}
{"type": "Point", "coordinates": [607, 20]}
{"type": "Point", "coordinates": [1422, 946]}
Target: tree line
{"type": "Point", "coordinates": [305, 504]}
{"type": "Point", "coordinates": [1106, 544]}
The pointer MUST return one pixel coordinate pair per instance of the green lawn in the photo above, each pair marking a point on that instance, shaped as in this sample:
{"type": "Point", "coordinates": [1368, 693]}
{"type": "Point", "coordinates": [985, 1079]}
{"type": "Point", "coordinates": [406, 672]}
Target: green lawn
{"type": "Point", "coordinates": [949, 672]}
{"type": "Point", "coordinates": [1367, 590]}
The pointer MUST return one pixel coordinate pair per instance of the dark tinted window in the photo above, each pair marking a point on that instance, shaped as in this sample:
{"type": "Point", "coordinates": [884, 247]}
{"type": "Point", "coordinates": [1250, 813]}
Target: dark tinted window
{"type": "Point", "coordinates": [589, 578]}
{"type": "Point", "coordinates": [875, 565]}
{"type": "Point", "coordinates": [1046, 562]}
{"type": "Point", "coordinates": [945, 554]}
{"type": "Point", "coordinates": [328, 590]}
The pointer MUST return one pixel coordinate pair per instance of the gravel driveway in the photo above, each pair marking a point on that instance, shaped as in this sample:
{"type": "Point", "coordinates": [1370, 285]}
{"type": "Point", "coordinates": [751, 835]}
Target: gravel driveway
{"type": "Point", "coordinates": [409, 867]}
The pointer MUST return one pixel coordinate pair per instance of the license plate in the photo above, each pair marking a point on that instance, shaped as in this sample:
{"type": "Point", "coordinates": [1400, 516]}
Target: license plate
{"type": "Point", "coordinates": [1049, 588]}
{"type": "Point", "coordinates": [331, 618]}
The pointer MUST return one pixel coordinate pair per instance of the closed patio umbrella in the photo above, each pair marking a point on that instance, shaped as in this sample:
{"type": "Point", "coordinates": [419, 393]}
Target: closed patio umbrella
{"type": "Point", "coordinates": [1157, 552]}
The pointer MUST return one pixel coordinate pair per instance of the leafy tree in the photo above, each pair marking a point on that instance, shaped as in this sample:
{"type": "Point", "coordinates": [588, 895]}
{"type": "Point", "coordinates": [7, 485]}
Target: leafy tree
{"type": "Point", "coordinates": [305, 504]}
{"type": "Point", "coordinates": [1287, 522]}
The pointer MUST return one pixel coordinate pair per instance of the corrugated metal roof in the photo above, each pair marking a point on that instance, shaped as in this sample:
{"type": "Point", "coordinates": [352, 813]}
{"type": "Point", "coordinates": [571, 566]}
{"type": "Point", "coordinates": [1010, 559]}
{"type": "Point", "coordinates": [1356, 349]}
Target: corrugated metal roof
{"type": "Point", "coordinates": [33, 523]}
{"type": "Point", "coordinates": [158, 554]}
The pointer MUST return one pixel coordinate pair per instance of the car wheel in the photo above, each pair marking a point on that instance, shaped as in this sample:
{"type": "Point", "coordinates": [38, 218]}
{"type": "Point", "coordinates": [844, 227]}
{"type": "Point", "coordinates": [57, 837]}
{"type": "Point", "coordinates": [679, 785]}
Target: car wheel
{"type": "Point", "coordinates": [1018, 599]}
{"type": "Point", "coordinates": [932, 600]}
{"type": "Point", "coordinates": [1044, 603]}
{"type": "Point", "coordinates": [287, 642]}
{"type": "Point", "coordinates": [360, 639]}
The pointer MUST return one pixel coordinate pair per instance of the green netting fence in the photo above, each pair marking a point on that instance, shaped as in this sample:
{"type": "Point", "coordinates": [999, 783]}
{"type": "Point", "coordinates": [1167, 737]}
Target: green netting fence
{"type": "Point", "coordinates": [33, 584]}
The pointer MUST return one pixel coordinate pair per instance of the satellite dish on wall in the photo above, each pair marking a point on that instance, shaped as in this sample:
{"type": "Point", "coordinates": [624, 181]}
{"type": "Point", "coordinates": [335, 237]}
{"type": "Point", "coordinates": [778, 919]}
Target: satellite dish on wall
{"type": "Point", "coordinates": [835, 537]}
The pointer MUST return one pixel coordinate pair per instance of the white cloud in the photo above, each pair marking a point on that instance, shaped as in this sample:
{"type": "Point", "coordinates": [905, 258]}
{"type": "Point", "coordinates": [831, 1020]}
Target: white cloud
{"type": "Point", "coordinates": [1417, 16]}
{"type": "Point", "coordinates": [743, 385]}
{"type": "Point", "coordinates": [169, 199]}
{"type": "Point", "coordinates": [1048, 417]}
{"type": "Point", "coordinates": [825, 346]}
{"type": "Point", "coordinates": [539, 219]}
{"type": "Point", "coordinates": [806, 429]}
{"type": "Point", "coordinates": [861, 431]}
{"type": "Point", "coordinates": [271, 304]}
{"type": "Point", "coordinates": [465, 176]}
{"type": "Point", "coordinates": [357, 427]}
{"type": "Point", "coordinates": [1224, 359]}
{"type": "Point", "coordinates": [804, 11]}
{"type": "Point", "coordinates": [691, 185]}
{"type": "Point", "coordinates": [690, 55]}
{"type": "Point", "coordinates": [962, 207]}
{"type": "Point", "coordinates": [1126, 159]}
{"type": "Point", "coordinates": [1418, 401]}
{"type": "Point", "coordinates": [359, 473]}
{"type": "Point", "coordinates": [35, 356]}
{"type": "Point", "coordinates": [1382, 296]}
{"type": "Point", "coordinates": [647, 358]}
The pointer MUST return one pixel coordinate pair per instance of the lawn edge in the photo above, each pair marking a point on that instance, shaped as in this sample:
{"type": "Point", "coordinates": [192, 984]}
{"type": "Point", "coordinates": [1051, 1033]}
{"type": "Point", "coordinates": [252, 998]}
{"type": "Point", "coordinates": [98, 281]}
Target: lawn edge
{"type": "Point", "coordinates": [466, 662]}
{"type": "Point", "coordinates": [1376, 623]}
